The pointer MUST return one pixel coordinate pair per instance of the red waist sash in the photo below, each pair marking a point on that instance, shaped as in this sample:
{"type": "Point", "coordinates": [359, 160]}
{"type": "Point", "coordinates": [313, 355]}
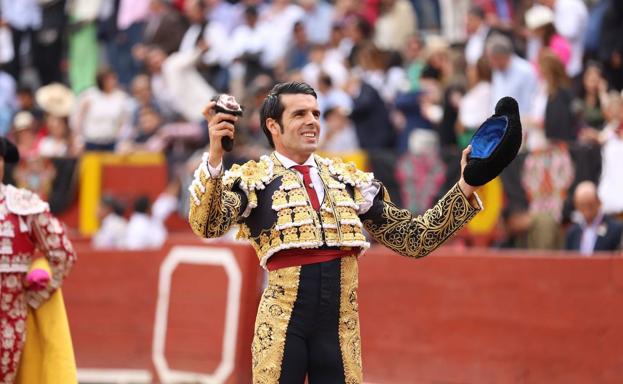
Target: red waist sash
{"type": "Point", "coordinates": [299, 256]}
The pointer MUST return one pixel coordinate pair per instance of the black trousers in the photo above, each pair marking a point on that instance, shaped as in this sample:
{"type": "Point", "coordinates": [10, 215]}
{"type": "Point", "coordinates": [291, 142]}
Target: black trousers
{"type": "Point", "coordinates": [312, 344]}
{"type": "Point", "coordinates": [307, 325]}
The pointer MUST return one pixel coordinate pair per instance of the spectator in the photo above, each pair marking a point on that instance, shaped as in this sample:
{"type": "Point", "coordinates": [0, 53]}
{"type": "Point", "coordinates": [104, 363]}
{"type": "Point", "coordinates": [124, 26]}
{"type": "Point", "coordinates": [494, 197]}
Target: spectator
{"type": "Point", "coordinates": [340, 136]}
{"type": "Point", "coordinates": [395, 24]}
{"type": "Point", "coordinates": [211, 38]}
{"type": "Point", "coordinates": [143, 232]}
{"type": "Point", "coordinates": [611, 181]}
{"type": "Point", "coordinates": [25, 133]}
{"type": "Point", "coordinates": [421, 171]}
{"type": "Point", "coordinates": [591, 97]}
{"type": "Point", "coordinates": [102, 113]}
{"type": "Point", "coordinates": [540, 22]}
{"type": "Point", "coordinates": [165, 27]}
{"type": "Point", "coordinates": [280, 18]}
{"type": "Point", "coordinates": [610, 51]}
{"type": "Point", "coordinates": [317, 19]}
{"type": "Point", "coordinates": [113, 225]}
{"type": "Point", "coordinates": [58, 142]}
{"type": "Point", "coordinates": [141, 97]}
{"type": "Point", "coordinates": [331, 96]}
{"type": "Point", "coordinates": [121, 30]}
{"type": "Point", "coordinates": [571, 21]}
{"type": "Point", "coordinates": [477, 31]}
{"type": "Point", "coordinates": [414, 62]}
{"type": "Point", "coordinates": [370, 116]}
{"type": "Point", "coordinates": [474, 107]}
{"type": "Point", "coordinates": [593, 231]}
{"type": "Point", "coordinates": [512, 75]}
{"type": "Point", "coordinates": [559, 123]}
{"type": "Point", "coordinates": [298, 52]}
{"type": "Point", "coordinates": [24, 19]}
{"type": "Point", "coordinates": [7, 101]}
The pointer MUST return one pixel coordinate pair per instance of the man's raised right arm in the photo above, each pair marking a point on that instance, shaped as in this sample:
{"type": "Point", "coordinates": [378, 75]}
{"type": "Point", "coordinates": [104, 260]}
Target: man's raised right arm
{"type": "Point", "coordinates": [214, 206]}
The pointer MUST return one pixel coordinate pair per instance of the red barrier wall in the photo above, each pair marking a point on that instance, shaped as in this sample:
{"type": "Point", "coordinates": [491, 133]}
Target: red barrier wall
{"type": "Point", "coordinates": [477, 317]}
{"type": "Point", "coordinates": [111, 302]}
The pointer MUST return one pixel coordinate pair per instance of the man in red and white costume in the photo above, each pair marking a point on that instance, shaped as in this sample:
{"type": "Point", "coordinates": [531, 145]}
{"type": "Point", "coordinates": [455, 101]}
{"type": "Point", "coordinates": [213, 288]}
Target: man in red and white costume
{"type": "Point", "coordinates": [26, 226]}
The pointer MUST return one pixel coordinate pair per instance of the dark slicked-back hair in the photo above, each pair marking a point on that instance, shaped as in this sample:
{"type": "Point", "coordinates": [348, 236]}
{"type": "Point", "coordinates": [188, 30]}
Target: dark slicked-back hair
{"type": "Point", "coordinates": [272, 107]}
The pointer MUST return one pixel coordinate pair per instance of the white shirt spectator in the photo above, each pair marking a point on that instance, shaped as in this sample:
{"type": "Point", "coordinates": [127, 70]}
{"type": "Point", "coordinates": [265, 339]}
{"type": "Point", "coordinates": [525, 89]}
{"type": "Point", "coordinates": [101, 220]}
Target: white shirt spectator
{"type": "Point", "coordinates": [475, 106]}
{"type": "Point", "coordinates": [132, 11]}
{"type": "Point", "coordinates": [248, 40]}
{"type": "Point", "coordinates": [104, 115]}
{"type": "Point", "coordinates": [318, 22]}
{"type": "Point", "coordinates": [190, 92]}
{"type": "Point", "coordinates": [279, 24]}
{"type": "Point", "coordinates": [475, 46]}
{"type": "Point", "coordinates": [7, 91]}
{"type": "Point", "coordinates": [21, 14]}
{"type": "Point", "coordinates": [571, 21]}
{"type": "Point", "coordinates": [111, 233]}
{"type": "Point", "coordinates": [611, 183]}
{"type": "Point", "coordinates": [518, 81]}
{"type": "Point", "coordinates": [143, 232]}
{"type": "Point", "coordinates": [215, 36]}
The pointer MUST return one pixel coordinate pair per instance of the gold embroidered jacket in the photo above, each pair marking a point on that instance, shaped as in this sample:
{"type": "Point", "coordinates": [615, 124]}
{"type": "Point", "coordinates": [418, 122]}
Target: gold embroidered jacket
{"type": "Point", "coordinates": [272, 207]}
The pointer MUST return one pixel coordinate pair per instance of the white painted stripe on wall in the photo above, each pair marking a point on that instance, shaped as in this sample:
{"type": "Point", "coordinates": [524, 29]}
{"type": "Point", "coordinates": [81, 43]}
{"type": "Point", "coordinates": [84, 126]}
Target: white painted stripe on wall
{"type": "Point", "coordinates": [114, 376]}
{"type": "Point", "coordinates": [202, 256]}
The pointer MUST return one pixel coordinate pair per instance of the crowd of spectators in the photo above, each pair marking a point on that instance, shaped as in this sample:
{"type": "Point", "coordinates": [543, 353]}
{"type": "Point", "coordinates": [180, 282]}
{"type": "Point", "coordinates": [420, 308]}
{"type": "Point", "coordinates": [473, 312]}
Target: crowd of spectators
{"type": "Point", "coordinates": [407, 82]}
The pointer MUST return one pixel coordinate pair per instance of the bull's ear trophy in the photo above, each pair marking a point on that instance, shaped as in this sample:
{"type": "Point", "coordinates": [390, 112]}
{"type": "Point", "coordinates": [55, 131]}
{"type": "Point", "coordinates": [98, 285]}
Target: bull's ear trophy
{"type": "Point", "coordinates": [495, 144]}
{"type": "Point", "coordinates": [227, 104]}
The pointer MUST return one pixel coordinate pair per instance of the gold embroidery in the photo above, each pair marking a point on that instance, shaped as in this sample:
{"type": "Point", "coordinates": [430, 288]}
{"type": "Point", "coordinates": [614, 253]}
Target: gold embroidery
{"type": "Point", "coordinates": [308, 233]}
{"type": "Point", "coordinates": [296, 196]}
{"type": "Point", "coordinates": [290, 235]}
{"type": "Point", "coordinates": [279, 199]}
{"type": "Point", "coordinates": [217, 211]}
{"type": "Point", "coordinates": [302, 214]}
{"type": "Point", "coordinates": [350, 339]}
{"type": "Point", "coordinates": [290, 181]}
{"type": "Point", "coordinates": [413, 236]}
{"type": "Point", "coordinates": [347, 172]}
{"type": "Point", "coordinates": [284, 217]}
{"type": "Point", "coordinates": [271, 323]}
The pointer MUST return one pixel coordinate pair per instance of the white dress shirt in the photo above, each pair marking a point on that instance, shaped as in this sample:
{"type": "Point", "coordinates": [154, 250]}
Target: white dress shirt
{"type": "Point", "coordinates": [590, 234]}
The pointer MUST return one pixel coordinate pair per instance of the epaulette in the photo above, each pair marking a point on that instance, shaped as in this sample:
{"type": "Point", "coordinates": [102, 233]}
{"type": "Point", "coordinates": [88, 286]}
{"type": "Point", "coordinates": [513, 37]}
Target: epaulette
{"type": "Point", "coordinates": [24, 202]}
{"type": "Point", "coordinates": [347, 172]}
{"type": "Point", "coordinates": [253, 175]}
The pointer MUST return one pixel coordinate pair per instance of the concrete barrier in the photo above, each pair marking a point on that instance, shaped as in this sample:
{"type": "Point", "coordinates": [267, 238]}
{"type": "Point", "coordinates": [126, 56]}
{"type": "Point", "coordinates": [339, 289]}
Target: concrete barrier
{"type": "Point", "coordinates": [475, 317]}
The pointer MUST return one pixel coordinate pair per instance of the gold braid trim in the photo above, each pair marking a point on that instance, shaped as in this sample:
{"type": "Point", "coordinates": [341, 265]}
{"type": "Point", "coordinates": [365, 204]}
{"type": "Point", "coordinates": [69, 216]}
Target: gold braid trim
{"type": "Point", "coordinates": [271, 324]}
{"type": "Point", "coordinates": [349, 335]}
{"type": "Point", "coordinates": [417, 236]}
{"type": "Point", "coordinates": [215, 210]}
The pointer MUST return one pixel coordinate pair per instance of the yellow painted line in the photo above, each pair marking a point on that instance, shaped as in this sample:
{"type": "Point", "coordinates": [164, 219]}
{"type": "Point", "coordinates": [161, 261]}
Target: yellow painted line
{"type": "Point", "coordinates": [91, 182]}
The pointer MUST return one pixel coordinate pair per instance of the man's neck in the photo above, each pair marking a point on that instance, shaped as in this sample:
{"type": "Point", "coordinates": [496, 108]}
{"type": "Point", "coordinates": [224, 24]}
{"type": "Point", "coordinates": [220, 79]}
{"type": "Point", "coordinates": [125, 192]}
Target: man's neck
{"type": "Point", "coordinates": [286, 159]}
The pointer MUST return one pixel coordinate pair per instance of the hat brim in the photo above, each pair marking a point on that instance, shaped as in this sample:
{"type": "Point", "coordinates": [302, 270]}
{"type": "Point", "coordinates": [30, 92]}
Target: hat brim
{"type": "Point", "coordinates": [495, 144]}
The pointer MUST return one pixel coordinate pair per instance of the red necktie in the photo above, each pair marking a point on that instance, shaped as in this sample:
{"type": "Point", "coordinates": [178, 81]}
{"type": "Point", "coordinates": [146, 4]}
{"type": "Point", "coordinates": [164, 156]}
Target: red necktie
{"type": "Point", "coordinates": [309, 186]}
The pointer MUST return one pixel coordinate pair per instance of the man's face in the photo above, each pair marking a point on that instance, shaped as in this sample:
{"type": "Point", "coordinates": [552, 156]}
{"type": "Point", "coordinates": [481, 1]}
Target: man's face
{"type": "Point", "coordinates": [297, 137]}
{"type": "Point", "coordinates": [588, 207]}
{"type": "Point", "coordinates": [497, 61]}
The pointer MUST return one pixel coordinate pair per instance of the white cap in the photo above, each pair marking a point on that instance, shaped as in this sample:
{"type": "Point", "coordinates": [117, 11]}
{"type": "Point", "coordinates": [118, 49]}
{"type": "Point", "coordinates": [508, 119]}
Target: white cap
{"type": "Point", "coordinates": [538, 16]}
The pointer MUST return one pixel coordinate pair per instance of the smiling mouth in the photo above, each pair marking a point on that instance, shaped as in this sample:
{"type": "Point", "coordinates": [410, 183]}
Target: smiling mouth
{"type": "Point", "coordinates": [310, 135]}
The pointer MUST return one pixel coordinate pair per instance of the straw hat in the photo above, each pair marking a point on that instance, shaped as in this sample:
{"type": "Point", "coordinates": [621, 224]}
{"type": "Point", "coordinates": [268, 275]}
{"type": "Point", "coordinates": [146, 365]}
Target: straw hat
{"type": "Point", "coordinates": [538, 16]}
{"type": "Point", "coordinates": [55, 99]}
{"type": "Point", "coordinates": [22, 120]}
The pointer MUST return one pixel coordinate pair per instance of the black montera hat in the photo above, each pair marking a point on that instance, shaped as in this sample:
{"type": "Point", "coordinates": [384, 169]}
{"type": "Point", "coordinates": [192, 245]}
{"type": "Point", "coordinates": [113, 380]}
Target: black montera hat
{"type": "Point", "coordinates": [495, 144]}
{"type": "Point", "coordinates": [8, 151]}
